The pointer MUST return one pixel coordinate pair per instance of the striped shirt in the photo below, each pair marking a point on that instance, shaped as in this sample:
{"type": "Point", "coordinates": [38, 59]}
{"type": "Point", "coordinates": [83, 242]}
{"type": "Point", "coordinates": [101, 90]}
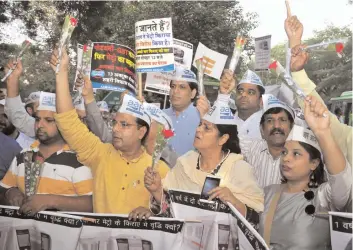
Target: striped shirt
{"type": "Point", "coordinates": [61, 174]}
{"type": "Point", "coordinates": [256, 153]}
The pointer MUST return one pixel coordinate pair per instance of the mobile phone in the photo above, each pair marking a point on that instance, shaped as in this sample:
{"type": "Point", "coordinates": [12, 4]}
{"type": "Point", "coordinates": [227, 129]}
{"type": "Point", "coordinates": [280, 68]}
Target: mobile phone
{"type": "Point", "coordinates": [211, 182]}
{"type": "Point", "coordinates": [23, 239]}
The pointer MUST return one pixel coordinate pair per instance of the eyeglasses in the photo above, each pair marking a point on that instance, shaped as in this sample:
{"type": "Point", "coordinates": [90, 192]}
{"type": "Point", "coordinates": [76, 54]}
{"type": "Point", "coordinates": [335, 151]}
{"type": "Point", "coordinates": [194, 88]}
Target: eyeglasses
{"type": "Point", "coordinates": [122, 124]}
{"type": "Point", "coordinates": [309, 209]}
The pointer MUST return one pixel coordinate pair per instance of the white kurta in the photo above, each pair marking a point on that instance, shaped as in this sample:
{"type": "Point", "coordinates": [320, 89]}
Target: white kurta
{"type": "Point", "coordinates": [251, 126]}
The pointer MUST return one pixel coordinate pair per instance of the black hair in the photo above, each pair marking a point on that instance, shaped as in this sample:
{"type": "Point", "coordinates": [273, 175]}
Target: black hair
{"type": "Point", "coordinates": [261, 90]}
{"type": "Point", "coordinates": [193, 86]}
{"type": "Point", "coordinates": [276, 111]}
{"type": "Point", "coordinates": [30, 105]}
{"type": "Point", "coordinates": [142, 123]}
{"type": "Point", "coordinates": [318, 175]}
{"type": "Point", "coordinates": [232, 143]}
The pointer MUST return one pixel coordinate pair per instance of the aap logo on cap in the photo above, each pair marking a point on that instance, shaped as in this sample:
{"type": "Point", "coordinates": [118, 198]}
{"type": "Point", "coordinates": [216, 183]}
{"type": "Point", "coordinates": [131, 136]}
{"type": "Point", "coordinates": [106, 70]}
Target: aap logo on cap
{"type": "Point", "coordinates": [135, 107]}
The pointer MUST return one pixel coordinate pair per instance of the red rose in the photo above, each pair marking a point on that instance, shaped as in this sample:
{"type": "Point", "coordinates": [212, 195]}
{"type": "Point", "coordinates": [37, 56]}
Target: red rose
{"type": "Point", "coordinates": [85, 47]}
{"type": "Point", "coordinates": [40, 159]}
{"type": "Point", "coordinates": [339, 47]}
{"type": "Point", "coordinates": [167, 133]}
{"type": "Point", "coordinates": [273, 65]}
{"type": "Point", "coordinates": [73, 21]}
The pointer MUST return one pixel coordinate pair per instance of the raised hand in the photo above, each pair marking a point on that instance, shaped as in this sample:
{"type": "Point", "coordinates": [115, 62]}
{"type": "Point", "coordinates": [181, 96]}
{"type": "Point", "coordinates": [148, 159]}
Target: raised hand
{"type": "Point", "coordinates": [316, 115]}
{"type": "Point", "coordinates": [64, 62]}
{"type": "Point", "coordinates": [227, 83]}
{"type": "Point", "coordinates": [202, 105]}
{"type": "Point", "coordinates": [293, 27]}
{"type": "Point", "coordinates": [299, 58]}
{"type": "Point", "coordinates": [17, 69]}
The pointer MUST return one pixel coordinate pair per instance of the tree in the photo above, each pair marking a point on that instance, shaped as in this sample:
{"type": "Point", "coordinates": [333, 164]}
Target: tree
{"type": "Point", "coordinates": [331, 74]}
{"type": "Point", "coordinates": [215, 24]}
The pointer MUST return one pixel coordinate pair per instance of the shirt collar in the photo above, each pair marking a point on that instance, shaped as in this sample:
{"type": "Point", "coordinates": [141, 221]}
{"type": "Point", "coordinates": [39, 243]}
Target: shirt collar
{"type": "Point", "coordinates": [35, 147]}
{"type": "Point", "coordinates": [136, 159]}
{"type": "Point", "coordinates": [188, 111]}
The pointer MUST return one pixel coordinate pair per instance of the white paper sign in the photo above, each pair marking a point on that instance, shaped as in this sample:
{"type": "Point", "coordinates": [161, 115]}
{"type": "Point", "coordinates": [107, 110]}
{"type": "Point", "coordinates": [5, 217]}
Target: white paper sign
{"type": "Point", "coordinates": [183, 53]}
{"type": "Point", "coordinates": [154, 45]}
{"type": "Point", "coordinates": [213, 61]}
{"type": "Point", "coordinates": [158, 83]}
{"type": "Point", "coordinates": [341, 230]}
{"type": "Point", "coordinates": [262, 52]}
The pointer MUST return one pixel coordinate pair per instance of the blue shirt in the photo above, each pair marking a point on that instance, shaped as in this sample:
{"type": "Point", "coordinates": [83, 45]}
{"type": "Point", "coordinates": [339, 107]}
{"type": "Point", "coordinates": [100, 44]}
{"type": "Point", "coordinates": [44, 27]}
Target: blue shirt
{"type": "Point", "coordinates": [9, 148]}
{"type": "Point", "coordinates": [185, 125]}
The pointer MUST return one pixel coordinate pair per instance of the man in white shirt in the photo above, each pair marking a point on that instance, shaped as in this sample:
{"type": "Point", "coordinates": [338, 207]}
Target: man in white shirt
{"type": "Point", "coordinates": [248, 101]}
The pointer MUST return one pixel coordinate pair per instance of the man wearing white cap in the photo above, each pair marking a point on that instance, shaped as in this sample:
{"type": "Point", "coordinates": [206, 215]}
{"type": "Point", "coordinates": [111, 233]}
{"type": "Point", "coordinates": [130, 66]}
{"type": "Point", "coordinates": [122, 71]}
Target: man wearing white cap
{"type": "Point", "coordinates": [104, 109]}
{"type": "Point", "coordinates": [10, 130]}
{"type": "Point", "coordinates": [264, 154]}
{"type": "Point", "coordinates": [47, 175]}
{"type": "Point", "coordinates": [118, 168]}
{"type": "Point", "coordinates": [32, 103]}
{"type": "Point", "coordinates": [248, 101]}
{"type": "Point", "coordinates": [185, 117]}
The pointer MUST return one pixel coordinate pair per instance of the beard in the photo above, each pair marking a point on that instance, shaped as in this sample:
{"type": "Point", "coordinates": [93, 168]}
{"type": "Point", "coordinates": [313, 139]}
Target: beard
{"type": "Point", "coordinates": [9, 130]}
{"type": "Point", "coordinates": [45, 139]}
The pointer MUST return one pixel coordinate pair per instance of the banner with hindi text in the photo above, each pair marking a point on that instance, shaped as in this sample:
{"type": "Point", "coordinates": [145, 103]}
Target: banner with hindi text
{"type": "Point", "coordinates": [154, 45]}
{"type": "Point", "coordinates": [113, 67]}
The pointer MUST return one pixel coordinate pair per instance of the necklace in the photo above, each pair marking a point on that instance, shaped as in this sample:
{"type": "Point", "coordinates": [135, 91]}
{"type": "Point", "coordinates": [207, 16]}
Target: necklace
{"type": "Point", "coordinates": [214, 171]}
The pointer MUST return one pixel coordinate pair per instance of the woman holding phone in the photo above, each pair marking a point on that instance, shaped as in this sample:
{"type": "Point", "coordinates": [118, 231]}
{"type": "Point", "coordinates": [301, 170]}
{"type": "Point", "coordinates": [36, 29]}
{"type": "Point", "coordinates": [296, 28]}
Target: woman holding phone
{"type": "Point", "coordinates": [217, 156]}
{"type": "Point", "coordinates": [295, 214]}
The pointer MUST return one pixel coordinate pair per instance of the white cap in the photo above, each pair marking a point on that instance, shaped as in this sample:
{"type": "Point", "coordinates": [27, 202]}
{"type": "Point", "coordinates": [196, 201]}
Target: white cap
{"type": "Point", "coordinates": [182, 74]}
{"type": "Point", "coordinates": [103, 106]}
{"type": "Point", "coordinates": [270, 101]}
{"type": "Point", "coordinates": [132, 106]}
{"type": "Point", "coordinates": [79, 103]}
{"type": "Point", "coordinates": [220, 113]}
{"type": "Point", "coordinates": [2, 102]}
{"type": "Point", "coordinates": [47, 101]}
{"type": "Point", "coordinates": [158, 115]}
{"type": "Point", "coordinates": [304, 135]}
{"type": "Point", "coordinates": [33, 97]}
{"type": "Point", "coordinates": [251, 78]}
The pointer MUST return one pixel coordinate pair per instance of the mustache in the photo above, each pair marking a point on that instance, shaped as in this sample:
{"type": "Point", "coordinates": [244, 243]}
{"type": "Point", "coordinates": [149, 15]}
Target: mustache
{"type": "Point", "coordinates": [41, 131]}
{"type": "Point", "coordinates": [276, 130]}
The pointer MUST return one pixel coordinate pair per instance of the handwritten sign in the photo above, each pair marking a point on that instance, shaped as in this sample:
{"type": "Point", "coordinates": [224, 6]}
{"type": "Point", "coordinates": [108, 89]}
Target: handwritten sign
{"type": "Point", "coordinates": [154, 45]}
{"type": "Point", "coordinates": [113, 67]}
{"type": "Point", "coordinates": [212, 61]}
{"type": "Point", "coordinates": [262, 52]}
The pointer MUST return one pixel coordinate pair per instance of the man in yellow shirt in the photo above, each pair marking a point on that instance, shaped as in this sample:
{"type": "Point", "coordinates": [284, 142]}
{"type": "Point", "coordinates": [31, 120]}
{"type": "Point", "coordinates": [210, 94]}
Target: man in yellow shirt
{"type": "Point", "coordinates": [117, 168]}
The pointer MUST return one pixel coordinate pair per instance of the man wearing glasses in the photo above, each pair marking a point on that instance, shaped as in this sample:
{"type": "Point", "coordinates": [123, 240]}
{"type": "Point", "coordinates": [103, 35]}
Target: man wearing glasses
{"type": "Point", "coordinates": [117, 167]}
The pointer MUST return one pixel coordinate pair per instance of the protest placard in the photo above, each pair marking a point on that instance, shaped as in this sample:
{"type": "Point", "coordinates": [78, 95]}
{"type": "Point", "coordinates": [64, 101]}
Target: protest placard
{"type": "Point", "coordinates": [154, 45]}
{"type": "Point", "coordinates": [212, 61]}
{"type": "Point", "coordinates": [223, 227]}
{"type": "Point", "coordinates": [159, 82]}
{"type": "Point", "coordinates": [113, 67]}
{"type": "Point", "coordinates": [44, 231]}
{"type": "Point", "coordinates": [262, 53]}
{"type": "Point", "coordinates": [341, 230]}
{"type": "Point", "coordinates": [182, 53]}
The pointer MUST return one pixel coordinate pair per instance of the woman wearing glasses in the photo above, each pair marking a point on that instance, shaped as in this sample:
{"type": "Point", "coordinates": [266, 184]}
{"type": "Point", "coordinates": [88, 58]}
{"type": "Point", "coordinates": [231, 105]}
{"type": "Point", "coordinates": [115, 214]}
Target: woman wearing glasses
{"type": "Point", "coordinates": [295, 214]}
